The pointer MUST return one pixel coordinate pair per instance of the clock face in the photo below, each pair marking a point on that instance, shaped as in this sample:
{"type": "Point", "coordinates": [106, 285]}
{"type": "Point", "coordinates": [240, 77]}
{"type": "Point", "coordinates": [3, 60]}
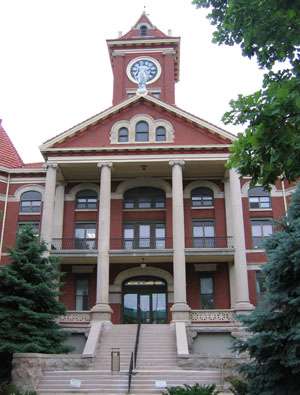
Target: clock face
{"type": "Point", "coordinates": [146, 68]}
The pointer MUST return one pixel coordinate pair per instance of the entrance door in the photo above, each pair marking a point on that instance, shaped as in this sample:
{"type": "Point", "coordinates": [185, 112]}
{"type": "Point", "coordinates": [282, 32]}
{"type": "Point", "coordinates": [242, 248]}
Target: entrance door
{"type": "Point", "coordinates": [144, 301]}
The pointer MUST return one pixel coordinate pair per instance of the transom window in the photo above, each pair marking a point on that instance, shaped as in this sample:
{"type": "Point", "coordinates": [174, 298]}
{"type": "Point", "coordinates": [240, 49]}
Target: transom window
{"type": "Point", "coordinates": [203, 234]}
{"type": "Point", "coordinates": [31, 202]}
{"type": "Point", "coordinates": [160, 133]}
{"type": "Point", "coordinates": [144, 235]}
{"type": "Point", "coordinates": [259, 198]}
{"type": "Point", "coordinates": [86, 199]}
{"type": "Point", "coordinates": [85, 236]}
{"type": "Point", "coordinates": [207, 292]}
{"type": "Point", "coordinates": [123, 135]}
{"type": "Point", "coordinates": [202, 197]}
{"type": "Point", "coordinates": [142, 131]}
{"type": "Point", "coordinates": [260, 229]}
{"type": "Point", "coordinates": [144, 198]}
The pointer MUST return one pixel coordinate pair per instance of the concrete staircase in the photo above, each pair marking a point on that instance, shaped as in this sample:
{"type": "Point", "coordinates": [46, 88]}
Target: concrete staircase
{"type": "Point", "coordinates": [156, 360]}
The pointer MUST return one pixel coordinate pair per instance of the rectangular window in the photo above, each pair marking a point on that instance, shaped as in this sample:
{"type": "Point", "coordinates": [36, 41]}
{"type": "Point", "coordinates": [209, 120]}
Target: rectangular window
{"type": "Point", "coordinates": [85, 236]}
{"type": "Point", "coordinates": [203, 234]}
{"type": "Point", "coordinates": [30, 206]}
{"type": "Point", "coordinates": [260, 285]}
{"type": "Point", "coordinates": [35, 225]}
{"type": "Point", "coordinates": [260, 230]}
{"type": "Point", "coordinates": [260, 202]}
{"type": "Point", "coordinates": [207, 292]}
{"type": "Point", "coordinates": [144, 235]}
{"type": "Point", "coordinates": [82, 294]}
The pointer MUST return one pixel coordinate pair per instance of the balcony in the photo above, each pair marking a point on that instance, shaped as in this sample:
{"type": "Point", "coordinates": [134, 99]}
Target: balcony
{"type": "Point", "coordinates": [154, 246]}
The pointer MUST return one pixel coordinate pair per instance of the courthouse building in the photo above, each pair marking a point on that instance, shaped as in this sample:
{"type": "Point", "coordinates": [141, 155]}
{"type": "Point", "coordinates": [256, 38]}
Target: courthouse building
{"type": "Point", "coordinates": [136, 201]}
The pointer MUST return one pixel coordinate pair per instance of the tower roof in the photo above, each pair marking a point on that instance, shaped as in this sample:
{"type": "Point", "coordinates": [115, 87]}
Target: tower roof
{"type": "Point", "coordinates": [152, 31]}
{"type": "Point", "coordinates": [9, 156]}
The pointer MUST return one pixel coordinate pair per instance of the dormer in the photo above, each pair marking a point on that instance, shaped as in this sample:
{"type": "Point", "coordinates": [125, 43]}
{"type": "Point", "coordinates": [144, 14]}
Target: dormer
{"type": "Point", "coordinates": [145, 45]}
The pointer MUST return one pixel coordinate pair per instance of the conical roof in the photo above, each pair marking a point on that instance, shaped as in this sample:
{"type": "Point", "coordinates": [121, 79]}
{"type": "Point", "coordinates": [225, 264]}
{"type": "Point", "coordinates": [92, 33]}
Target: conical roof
{"type": "Point", "coordinates": [9, 156]}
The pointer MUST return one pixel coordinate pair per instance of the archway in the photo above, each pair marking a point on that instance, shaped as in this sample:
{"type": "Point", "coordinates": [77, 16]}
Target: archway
{"type": "Point", "coordinates": [144, 300]}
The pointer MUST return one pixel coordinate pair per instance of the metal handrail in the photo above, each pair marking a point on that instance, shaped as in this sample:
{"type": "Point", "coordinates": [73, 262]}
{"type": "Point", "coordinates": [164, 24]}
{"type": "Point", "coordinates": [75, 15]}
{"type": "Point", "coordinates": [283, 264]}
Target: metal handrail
{"type": "Point", "coordinates": [133, 358]}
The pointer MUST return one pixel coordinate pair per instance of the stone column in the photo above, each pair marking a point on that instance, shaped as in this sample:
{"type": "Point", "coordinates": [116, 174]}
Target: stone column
{"type": "Point", "coordinates": [180, 309]}
{"type": "Point", "coordinates": [59, 211]}
{"type": "Point", "coordinates": [48, 204]}
{"type": "Point", "coordinates": [240, 275]}
{"type": "Point", "coordinates": [102, 311]}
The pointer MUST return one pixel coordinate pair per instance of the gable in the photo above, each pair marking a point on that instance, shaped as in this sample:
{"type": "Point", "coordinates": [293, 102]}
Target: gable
{"type": "Point", "coordinates": [98, 135]}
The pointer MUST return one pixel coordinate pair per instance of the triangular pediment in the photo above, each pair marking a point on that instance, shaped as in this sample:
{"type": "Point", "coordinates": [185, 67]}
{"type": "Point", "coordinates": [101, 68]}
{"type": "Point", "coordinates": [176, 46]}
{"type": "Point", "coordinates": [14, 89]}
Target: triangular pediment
{"type": "Point", "coordinates": [95, 132]}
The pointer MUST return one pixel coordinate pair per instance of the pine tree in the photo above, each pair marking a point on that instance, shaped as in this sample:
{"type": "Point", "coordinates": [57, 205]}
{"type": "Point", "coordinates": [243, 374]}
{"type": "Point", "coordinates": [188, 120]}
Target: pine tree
{"type": "Point", "coordinates": [274, 341]}
{"type": "Point", "coordinates": [29, 306]}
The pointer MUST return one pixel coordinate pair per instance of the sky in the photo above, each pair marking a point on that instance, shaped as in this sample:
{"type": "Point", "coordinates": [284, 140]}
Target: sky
{"type": "Point", "coordinates": [55, 70]}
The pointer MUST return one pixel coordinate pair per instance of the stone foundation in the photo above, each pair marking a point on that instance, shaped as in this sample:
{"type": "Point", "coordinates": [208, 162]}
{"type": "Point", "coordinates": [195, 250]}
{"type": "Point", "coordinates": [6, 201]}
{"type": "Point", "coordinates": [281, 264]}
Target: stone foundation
{"type": "Point", "coordinates": [28, 367]}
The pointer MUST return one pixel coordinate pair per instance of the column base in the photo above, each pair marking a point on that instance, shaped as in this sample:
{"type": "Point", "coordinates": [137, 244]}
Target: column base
{"type": "Point", "coordinates": [180, 312]}
{"type": "Point", "coordinates": [243, 307]}
{"type": "Point", "coordinates": [101, 312]}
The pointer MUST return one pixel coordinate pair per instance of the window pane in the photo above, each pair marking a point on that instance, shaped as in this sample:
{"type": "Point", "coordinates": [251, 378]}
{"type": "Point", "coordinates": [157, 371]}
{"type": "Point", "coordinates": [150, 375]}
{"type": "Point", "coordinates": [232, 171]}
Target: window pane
{"type": "Point", "coordinates": [144, 203]}
{"type": "Point", "coordinates": [142, 131]}
{"type": "Point", "coordinates": [79, 233]}
{"type": "Point", "coordinates": [198, 231]}
{"type": "Point", "coordinates": [160, 133]}
{"type": "Point", "coordinates": [129, 204]}
{"type": "Point", "coordinates": [129, 233]}
{"type": "Point", "coordinates": [267, 229]}
{"type": "Point", "coordinates": [144, 231]}
{"type": "Point", "coordinates": [256, 230]}
{"type": "Point", "coordinates": [123, 135]}
{"type": "Point", "coordinates": [160, 231]}
{"type": "Point", "coordinates": [209, 231]}
{"type": "Point", "coordinates": [206, 284]}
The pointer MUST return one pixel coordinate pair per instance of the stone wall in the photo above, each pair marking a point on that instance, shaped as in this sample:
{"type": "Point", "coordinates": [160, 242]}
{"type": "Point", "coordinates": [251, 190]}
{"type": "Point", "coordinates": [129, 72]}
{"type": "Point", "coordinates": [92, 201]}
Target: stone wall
{"type": "Point", "coordinates": [28, 367]}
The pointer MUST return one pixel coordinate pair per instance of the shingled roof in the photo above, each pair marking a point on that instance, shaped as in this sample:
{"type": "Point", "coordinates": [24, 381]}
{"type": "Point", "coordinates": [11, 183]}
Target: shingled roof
{"type": "Point", "coordinates": [9, 156]}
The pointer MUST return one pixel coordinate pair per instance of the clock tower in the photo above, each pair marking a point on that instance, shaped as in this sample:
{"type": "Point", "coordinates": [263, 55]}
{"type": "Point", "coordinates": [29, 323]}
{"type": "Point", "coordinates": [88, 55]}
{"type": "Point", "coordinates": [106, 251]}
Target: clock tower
{"type": "Point", "coordinates": [146, 60]}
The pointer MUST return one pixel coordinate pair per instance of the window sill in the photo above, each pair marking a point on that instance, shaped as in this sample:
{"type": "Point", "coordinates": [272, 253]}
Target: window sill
{"type": "Point", "coordinates": [203, 208]}
{"type": "Point", "coordinates": [260, 209]}
{"type": "Point", "coordinates": [144, 209]}
{"type": "Point", "coordinates": [256, 250]}
{"type": "Point", "coordinates": [86, 209]}
{"type": "Point", "coordinates": [30, 213]}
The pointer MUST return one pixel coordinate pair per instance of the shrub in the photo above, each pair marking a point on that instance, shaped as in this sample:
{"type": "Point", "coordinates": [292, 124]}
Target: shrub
{"type": "Point", "coordinates": [195, 389]}
{"type": "Point", "coordinates": [10, 389]}
{"type": "Point", "coordinates": [237, 386]}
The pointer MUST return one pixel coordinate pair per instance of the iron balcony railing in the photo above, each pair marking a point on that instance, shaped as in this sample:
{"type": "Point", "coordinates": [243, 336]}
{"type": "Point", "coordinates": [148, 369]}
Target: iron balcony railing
{"type": "Point", "coordinates": [143, 243]}
{"type": "Point", "coordinates": [209, 242]}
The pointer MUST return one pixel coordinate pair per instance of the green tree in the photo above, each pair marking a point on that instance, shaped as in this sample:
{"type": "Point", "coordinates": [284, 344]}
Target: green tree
{"type": "Point", "coordinates": [270, 31]}
{"type": "Point", "coordinates": [28, 299]}
{"type": "Point", "coordinates": [274, 340]}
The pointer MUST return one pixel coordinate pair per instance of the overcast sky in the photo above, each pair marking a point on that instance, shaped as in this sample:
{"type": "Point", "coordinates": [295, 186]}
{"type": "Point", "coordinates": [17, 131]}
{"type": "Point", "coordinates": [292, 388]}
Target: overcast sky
{"type": "Point", "coordinates": [55, 70]}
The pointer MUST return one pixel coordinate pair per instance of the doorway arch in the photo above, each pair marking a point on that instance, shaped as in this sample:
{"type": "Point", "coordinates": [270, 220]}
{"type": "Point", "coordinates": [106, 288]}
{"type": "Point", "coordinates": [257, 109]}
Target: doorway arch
{"type": "Point", "coordinates": [144, 300]}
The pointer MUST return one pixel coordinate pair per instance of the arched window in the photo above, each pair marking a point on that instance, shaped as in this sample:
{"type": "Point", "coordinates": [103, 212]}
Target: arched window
{"type": "Point", "coordinates": [143, 30]}
{"type": "Point", "coordinates": [86, 199]}
{"type": "Point", "coordinates": [31, 202]}
{"type": "Point", "coordinates": [123, 135]}
{"type": "Point", "coordinates": [202, 197]}
{"type": "Point", "coordinates": [160, 133]}
{"type": "Point", "coordinates": [259, 198]}
{"type": "Point", "coordinates": [142, 131]}
{"type": "Point", "coordinates": [144, 197]}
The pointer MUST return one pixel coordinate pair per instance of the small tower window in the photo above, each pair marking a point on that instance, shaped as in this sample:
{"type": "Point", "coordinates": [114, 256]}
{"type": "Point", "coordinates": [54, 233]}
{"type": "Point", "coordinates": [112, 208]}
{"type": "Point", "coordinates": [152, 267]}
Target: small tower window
{"type": "Point", "coordinates": [142, 131]}
{"type": "Point", "coordinates": [144, 30]}
{"type": "Point", "coordinates": [160, 133]}
{"type": "Point", "coordinates": [123, 135]}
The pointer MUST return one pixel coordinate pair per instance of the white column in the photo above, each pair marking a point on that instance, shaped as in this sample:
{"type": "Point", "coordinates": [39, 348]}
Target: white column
{"type": "Point", "coordinates": [48, 204]}
{"type": "Point", "coordinates": [59, 211]}
{"type": "Point", "coordinates": [102, 311]}
{"type": "Point", "coordinates": [240, 275]}
{"type": "Point", "coordinates": [180, 308]}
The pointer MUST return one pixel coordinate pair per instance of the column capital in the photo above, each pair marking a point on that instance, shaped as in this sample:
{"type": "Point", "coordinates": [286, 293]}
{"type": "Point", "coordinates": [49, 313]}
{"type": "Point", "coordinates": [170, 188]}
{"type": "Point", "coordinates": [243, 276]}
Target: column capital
{"type": "Point", "coordinates": [177, 162]}
{"type": "Point", "coordinates": [50, 165]}
{"type": "Point", "coordinates": [104, 164]}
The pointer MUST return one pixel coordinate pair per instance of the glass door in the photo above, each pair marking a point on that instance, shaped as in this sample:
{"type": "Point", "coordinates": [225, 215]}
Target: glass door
{"type": "Point", "coordinates": [144, 309]}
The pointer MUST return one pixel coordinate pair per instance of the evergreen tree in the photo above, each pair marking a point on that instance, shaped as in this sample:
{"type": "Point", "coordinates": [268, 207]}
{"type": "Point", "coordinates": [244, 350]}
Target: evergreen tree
{"type": "Point", "coordinates": [274, 342]}
{"type": "Point", "coordinates": [29, 306]}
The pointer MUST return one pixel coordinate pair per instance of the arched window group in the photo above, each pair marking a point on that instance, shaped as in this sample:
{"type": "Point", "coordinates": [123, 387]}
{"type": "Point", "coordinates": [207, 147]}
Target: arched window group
{"type": "Point", "coordinates": [86, 199]}
{"type": "Point", "coordinates": [202, 197]}
{"type": "Point", "coordinates": [142, 133]}
{"type": "Point", "coordinates": [259, 198]}
{"type": "Point", "coordinates": [31, 202]}
{"type": "Point", "coordinates": [144, 198]}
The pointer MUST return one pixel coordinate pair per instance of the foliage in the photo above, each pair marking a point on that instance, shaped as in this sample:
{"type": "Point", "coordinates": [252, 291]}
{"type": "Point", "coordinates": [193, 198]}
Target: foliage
{"type": "Point", "coordinates": [28, 299]}
{"type": "Point", "coordinates": [274, 327]}
{"type": "Point", "coordinates": [195, 389]}
{"type": "Point", "coordinates": [10, 389]}
{"type": "Point", "coordinates": [237, 386]}
{"type": "Point", "coordinates": [270, 31]}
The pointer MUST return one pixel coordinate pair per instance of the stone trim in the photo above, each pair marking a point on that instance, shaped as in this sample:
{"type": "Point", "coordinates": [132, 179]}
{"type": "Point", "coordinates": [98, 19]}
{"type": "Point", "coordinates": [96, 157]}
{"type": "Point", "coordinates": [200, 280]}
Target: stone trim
{"type": "Point", "coordinates": [142, 182]}
{"type": "Point", "coordinates": [81, 187]}
{"type": "Point", "coordinates": [27, 188]}
{"type": "Point", "coordinates": [208, 184]}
